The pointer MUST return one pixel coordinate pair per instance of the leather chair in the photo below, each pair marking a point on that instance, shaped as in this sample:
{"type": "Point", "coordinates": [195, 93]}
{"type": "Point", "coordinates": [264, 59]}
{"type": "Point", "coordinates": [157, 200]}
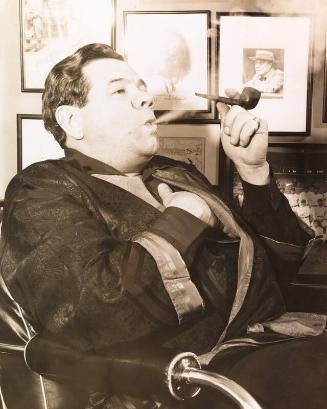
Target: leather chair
{"type": "Point", "coordinates": [38, 372]}
{"type": "Point", "coordinates": [20, 387]}
{"type": "Point", "coordinates": [47, 375]}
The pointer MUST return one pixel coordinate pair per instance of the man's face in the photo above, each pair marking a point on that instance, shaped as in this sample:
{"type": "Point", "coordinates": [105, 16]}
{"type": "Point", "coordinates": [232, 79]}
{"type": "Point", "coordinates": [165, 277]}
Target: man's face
{"type": "Point", "coordinates": [117, 120]}
{"type": "Point", "coordinates": [262, 67]}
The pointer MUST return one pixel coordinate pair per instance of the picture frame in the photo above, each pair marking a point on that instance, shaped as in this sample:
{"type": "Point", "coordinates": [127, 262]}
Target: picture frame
{"type": "Point", "coordinates": [1, 213]}
{"type": "Point", "coordinates": [265, 43]}
{"type": "Point", "coordinates": [49, 31]}
{"type": "Point", "coordinates": [300, 171]}
{"type": "Point", "coordinates": [187, 149]}
{"type": "Point", "coordinates": [324, 104]}
{"type": "Point", "coordinates": [34, 143]}
{"type": "Point", "coordinates": [174, 61]}
{"type": "Point", "coordinates": [296, 167]}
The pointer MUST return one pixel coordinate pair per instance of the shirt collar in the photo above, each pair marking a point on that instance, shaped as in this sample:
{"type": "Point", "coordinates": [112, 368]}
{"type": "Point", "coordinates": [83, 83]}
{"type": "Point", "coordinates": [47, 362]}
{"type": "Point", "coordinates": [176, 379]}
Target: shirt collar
{"type": "Point", "coordinates": [88, 164]}
{"type": "Point", "coordinates": [94, 166]}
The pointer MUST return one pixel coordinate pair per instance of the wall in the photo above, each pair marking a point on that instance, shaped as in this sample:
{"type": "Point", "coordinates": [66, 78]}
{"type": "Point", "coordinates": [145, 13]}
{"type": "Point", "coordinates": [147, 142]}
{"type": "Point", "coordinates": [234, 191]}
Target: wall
{"type": "Point", "coordinates": [13, 101]}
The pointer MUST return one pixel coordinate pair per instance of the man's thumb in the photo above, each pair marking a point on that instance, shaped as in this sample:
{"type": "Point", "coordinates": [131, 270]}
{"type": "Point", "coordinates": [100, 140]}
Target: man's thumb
{"type": "Point", "coordinates": [222, 109]}
{"type": "Point", "coordinates": [164, 191]}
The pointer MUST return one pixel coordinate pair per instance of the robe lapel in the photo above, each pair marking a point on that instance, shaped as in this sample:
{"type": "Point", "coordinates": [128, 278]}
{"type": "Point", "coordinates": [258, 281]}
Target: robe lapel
{"type": "Point", "coordinates": [185, 181]}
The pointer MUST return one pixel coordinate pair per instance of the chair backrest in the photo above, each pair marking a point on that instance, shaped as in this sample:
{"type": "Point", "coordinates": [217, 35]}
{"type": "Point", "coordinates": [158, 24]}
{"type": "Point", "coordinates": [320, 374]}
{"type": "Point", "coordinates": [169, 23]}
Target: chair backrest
{"type": "Point", "coordinates": [20, 387]}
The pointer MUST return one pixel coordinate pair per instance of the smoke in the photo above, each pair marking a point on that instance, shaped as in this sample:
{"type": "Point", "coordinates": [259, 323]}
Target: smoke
{"type": "Point", "coordinates": [315, 8]}
{"type": "Point", "coordinates": [170, 116]}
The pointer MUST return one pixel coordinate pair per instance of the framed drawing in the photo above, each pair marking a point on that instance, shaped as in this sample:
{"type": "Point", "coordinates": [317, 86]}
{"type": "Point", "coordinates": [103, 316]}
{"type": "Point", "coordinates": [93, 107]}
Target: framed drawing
{"type": "Point", "coordinates": [186, 149]}
{"type": "Point", "coordinates": [257, 50]}
{"type": "Point", "coordinates": [174, 61]}
{"type": "Point", "coordinates": [34, 143]}
{"type": "Point", "coordinates": [51, 30]}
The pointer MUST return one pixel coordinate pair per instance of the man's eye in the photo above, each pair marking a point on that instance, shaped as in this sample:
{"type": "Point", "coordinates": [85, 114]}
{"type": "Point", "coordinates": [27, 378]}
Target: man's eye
{"type": "Point", "coordinates": [120, 91]}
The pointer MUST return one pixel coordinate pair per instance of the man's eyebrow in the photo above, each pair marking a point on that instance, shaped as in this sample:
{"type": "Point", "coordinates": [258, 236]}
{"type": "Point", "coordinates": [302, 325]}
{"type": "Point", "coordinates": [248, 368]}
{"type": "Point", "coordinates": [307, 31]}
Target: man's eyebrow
{"type": "Point", "coordinates": [140, 82]}
{"type": "Point", "coordinates": [117, 80]}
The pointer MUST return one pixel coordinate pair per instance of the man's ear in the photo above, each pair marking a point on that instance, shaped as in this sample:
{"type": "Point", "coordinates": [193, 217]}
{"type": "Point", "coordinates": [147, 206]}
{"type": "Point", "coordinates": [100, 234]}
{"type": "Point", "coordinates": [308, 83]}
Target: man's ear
{"type": "Point", "coordinates": [69, 118]}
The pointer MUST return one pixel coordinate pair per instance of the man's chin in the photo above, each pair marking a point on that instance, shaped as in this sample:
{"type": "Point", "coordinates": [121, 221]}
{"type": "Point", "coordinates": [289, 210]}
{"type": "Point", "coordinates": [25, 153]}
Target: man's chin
{"type": "Point", "coordinates": [153, 146]}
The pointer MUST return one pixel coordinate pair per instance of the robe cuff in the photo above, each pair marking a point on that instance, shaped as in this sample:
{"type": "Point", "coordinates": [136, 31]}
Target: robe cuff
{"type": "Point", "coordinates": [182, 230]}
{"type": "Point", "coordinates": [175, 276]}
{"type": "Point", "coordinates": [256, 195]}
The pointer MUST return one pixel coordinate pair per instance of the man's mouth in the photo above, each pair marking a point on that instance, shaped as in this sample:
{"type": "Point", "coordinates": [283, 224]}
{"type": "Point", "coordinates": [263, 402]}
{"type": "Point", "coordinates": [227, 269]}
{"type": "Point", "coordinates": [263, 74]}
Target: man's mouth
{"type": "Point", "coordinates": [150, 125]}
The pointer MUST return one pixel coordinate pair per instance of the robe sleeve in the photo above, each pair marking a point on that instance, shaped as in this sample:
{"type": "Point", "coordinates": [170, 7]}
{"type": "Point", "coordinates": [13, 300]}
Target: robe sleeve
{"type": "Point", "coordinates": [285, 237]}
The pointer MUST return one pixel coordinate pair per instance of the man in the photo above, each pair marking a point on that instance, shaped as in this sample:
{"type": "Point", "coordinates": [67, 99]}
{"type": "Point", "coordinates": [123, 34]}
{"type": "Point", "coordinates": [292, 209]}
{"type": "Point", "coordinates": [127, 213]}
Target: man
{"type": "Point", "coordinates": [318, 229]}
{"type": "Point", "coordinates": [304, 212]}
{"type": "Point", "coordinates": [305, 194]}
{"type": "Point", "coordinates": [114, 246]}
{"type": "Point", "coordinates": [267, 78]}
{"type": "Point", "coordinates": [314, 196]}
{"type": "Point", "coordinates": [319, 213]}
{"type": "Point", "coordinates": [292, 196]}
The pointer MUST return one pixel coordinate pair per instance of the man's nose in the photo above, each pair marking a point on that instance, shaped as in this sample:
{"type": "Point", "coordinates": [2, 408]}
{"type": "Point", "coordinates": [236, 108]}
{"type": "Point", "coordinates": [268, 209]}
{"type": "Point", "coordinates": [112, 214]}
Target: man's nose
{"type": "Point", "coordinates": [144, 99]}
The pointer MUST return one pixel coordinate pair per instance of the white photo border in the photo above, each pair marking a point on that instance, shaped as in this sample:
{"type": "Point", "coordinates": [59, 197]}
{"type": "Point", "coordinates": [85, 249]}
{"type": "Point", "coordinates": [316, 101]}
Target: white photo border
{"type": "Point", "coordinates": [291, 114]}
{"type": "Point", "coordinates": [207, 114]}
{"type": "Point", "coordinates": [34, 143]}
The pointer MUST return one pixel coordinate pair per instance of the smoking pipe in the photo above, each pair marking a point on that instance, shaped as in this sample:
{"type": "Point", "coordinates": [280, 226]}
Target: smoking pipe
{"type": "Point", "coordinates": [248, 99]}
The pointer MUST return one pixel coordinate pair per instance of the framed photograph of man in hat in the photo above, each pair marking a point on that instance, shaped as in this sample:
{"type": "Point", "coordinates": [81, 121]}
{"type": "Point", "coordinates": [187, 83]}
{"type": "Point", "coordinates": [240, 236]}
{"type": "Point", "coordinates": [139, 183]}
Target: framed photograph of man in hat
{"type": "Point", "coordinates": [264, 70]}
{"type": "Point", "coordinates": [257, 50]}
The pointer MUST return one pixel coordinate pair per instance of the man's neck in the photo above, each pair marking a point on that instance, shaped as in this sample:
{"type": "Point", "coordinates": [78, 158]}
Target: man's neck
{"type": "Point", "coordinates": [124, 163]}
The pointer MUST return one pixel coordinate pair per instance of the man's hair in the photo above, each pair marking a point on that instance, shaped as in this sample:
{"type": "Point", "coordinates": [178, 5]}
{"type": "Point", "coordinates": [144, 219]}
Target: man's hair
{"type": "Point", "coordinates": [66, 84]}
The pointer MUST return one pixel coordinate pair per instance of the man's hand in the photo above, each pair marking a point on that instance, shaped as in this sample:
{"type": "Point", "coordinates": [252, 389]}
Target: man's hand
{"type": "Point", "coordinates": [245, 141]}
{"type": "Point", "coordinates": [187, 201]}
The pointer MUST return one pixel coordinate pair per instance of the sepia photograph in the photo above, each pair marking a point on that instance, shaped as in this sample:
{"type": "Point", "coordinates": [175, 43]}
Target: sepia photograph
{"type": "Point", "coordinates": [163, 204]}
{"type": "Point", "coordinates": [264, 70]}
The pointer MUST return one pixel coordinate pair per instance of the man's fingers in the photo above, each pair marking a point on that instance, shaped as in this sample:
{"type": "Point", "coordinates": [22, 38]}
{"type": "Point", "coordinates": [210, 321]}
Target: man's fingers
{"type": "Point", "coordinates": [164, 191]}
{"type": "Point", "coordinates": [240, 126]}
{"type": "Point", "coordinates": [237, 126]}
{"type": "Point", "coordinates": [248, 130]}
{"type": "Point", "coordinates": [223, 110]}
{"type": "Point", "coordinates": [229, 119]}
{"type": "Point", "coordinates": [232, 93]}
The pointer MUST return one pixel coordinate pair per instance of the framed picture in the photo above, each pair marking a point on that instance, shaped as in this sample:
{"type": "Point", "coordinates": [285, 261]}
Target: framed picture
{"type": "Point", "coordinates": [257, 50]}
{"type": "Point", "coordinates": [186, 149]}
{"type": "Point", "coordinates": [324, 109]}
{"type": "Point", "coordinates": [1, 214]}
{"type": "Point", "coordinates": [51, 30]}
{"type": "Point", "coordinates": [301, 174]}
{"type": "Point", "coordinates": [34, 143]}
{"type": "Point", "coordinates": [173, 60]}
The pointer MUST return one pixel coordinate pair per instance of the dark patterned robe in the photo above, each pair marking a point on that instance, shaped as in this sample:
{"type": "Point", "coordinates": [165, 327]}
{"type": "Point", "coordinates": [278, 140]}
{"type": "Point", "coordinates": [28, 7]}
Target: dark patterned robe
{"type": "Point", "coordinates": [69, 260]}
